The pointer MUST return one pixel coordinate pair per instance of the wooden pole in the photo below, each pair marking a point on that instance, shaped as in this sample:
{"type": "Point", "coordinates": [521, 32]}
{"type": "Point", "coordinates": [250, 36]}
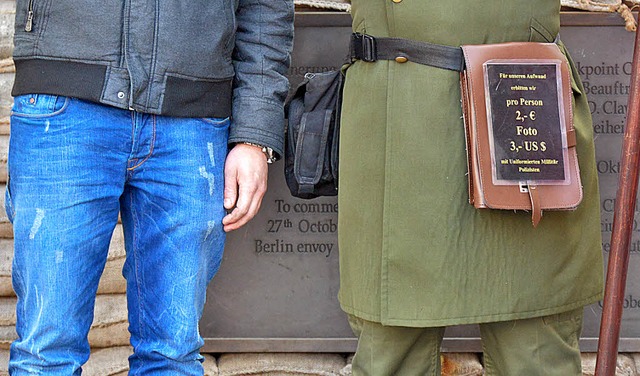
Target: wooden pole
{"type": "Point", "coordinates": [622, 228]}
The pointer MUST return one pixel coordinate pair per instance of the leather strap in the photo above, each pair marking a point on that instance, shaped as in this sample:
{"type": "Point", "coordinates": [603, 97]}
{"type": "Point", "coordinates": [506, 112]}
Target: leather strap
{"type": "Point", "coordinates": [369, 48]}
{"type": "Point", "coordinates": [571, 138]}
{"type": "Point", "coordinates": [536, 209]}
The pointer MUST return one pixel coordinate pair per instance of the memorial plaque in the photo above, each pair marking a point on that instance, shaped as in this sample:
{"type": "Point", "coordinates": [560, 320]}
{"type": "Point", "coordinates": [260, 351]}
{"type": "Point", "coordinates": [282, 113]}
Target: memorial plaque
{"type": "Point", "coordinates": [278, 284]}
{"type": "Point", "coordinates": [602, 50]}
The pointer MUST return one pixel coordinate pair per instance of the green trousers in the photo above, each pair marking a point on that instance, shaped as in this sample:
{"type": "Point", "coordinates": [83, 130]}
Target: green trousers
{"type": "Point", "coordinates": [541, 346]}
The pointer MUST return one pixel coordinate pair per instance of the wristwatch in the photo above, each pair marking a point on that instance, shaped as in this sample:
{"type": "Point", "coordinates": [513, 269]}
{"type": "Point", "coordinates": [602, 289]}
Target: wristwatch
{"type": "Point", "coordinates": [268, 152]}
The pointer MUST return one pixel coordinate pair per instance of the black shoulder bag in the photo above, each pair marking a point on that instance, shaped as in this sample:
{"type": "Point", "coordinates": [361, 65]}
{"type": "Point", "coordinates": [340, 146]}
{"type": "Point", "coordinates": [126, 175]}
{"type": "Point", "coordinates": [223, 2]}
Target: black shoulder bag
{"type": "Point", "coordinates": [311, 140]}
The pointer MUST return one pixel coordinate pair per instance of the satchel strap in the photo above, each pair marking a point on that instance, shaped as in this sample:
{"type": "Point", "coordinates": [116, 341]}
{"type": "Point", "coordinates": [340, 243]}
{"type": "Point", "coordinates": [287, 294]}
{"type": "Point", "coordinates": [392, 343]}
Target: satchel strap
{"type": "Point", "coordinates": [369, 48]}
{"type": "Point", "coordinates": [571, 138]}
{"type": "Point", "coordinates": [536, 208]}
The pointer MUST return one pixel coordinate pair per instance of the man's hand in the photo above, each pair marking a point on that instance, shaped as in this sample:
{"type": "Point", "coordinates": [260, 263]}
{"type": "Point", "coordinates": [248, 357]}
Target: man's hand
{"type": "Point", "coordinates": [245, 183]}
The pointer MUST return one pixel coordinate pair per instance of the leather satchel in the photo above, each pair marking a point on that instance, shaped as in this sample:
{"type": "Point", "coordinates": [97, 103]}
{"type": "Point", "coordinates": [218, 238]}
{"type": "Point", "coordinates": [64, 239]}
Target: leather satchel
{"type": "Point", "coordinates": [520, 140]}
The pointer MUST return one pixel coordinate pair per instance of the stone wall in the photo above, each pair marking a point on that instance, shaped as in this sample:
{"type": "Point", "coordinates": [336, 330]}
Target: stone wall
{"type": "Point", "coordinates": [109, 337]}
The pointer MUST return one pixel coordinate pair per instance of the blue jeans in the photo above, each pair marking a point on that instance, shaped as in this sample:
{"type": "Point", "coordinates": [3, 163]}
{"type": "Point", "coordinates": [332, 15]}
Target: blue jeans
{"type": "Point", "coordinates": [73, 166]}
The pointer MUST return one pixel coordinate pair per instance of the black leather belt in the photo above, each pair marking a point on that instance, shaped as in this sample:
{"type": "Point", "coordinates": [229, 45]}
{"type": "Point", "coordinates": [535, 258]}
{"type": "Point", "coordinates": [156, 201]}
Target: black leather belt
{"type": "Point", "coordinates": [369, 48]}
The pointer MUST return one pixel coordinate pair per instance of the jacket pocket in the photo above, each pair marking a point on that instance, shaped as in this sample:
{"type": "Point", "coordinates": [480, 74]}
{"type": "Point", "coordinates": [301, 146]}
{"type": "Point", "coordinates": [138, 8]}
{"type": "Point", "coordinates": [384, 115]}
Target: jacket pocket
{"type": "Point", "coordinates": [28, 24]}
{"type": "Point", "coordinates": [27, 17]}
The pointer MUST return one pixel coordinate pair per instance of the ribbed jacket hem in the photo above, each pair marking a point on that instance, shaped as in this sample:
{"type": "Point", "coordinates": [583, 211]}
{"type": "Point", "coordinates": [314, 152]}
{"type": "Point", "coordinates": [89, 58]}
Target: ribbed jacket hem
{"type": "Point", "coordinates": [182, 97]}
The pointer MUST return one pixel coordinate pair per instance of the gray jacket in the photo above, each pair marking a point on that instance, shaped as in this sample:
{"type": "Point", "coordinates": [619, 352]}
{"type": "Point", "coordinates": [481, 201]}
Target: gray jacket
{"type": "Point", "coordinates": [195, 58]}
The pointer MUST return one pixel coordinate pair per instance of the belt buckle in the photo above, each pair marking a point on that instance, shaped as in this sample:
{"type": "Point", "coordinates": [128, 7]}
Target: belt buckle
{"type": "Point", "coordinates": [364, 47]}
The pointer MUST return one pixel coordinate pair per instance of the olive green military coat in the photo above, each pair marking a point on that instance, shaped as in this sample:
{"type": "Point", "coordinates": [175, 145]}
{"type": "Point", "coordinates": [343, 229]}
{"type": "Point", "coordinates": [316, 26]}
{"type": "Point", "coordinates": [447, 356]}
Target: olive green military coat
{"type": "Point", "coordinates": [413, 251]}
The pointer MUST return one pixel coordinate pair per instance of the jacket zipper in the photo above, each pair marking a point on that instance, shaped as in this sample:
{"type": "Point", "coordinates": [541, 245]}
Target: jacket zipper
{"type": "Point", "coordinates": [29, 24]}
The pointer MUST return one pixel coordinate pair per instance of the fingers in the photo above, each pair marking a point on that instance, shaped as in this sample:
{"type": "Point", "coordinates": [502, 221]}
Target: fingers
{"type": "Point", "coordinates": [230, 188]}
{"type": "Point", "coordinates": [245, 185]}
{"type": "Point", "coordinates": [249, 201]}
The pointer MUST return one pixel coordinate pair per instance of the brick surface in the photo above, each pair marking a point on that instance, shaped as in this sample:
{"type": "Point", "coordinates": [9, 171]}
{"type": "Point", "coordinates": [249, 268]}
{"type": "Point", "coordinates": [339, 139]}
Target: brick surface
{"type": "Point", "coordinates": [109, 326]}
{"type": "Point", "coordinates": [281, 364]}
{"type": "Point", "coordinates": [7, 311]}
{"type": "Point", "coordinates": [6, 257]}
{"type": "Point", "coordinates": [625, 365]}
{"type": "Point", "coordinates": [7, 335]}
{"type": "Point", "coordinates": [461, 364]}
{"type": "Point", "coordinates": [108, 362]}
{"type": "Point", "coordinates": [4, 153]}
{"type": "Point", "coordinates": [6, 101]}
{"type": "Point", "coordinates": [111, 362]}
{"type": "Point", "coordinates": [453, 364]}
{"type": "Point", "coordinates": [326, 4]}
{"type": "Point", "coordinates": [111, 282]}
{"type": "Point", "coordinates": [4, 362]}
{"type": "Point", "coordinates": [7, 20]}
{"type": "Point", "coordinates": [210, 365]}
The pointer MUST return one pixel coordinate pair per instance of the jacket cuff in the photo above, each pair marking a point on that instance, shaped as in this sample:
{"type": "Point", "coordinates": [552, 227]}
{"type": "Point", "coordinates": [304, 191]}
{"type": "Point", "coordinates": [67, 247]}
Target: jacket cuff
{"type": "Point", "coordinates": [258, 121]}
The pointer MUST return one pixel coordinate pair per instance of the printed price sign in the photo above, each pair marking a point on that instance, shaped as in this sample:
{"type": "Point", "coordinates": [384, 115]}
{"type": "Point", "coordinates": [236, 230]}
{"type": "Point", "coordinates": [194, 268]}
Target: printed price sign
{"type": "Point", "coordinates": [526, 122]}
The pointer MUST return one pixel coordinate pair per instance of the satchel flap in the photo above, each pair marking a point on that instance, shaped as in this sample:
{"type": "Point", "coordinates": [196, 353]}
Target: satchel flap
{"type": "Point", "coordinates": [510, 196]}
{"type": "Point", "coordinates": [322, 90]}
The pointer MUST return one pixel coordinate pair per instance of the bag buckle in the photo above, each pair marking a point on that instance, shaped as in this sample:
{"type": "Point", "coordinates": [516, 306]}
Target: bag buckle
{"type": "Point", "coordinates": [363, 47]}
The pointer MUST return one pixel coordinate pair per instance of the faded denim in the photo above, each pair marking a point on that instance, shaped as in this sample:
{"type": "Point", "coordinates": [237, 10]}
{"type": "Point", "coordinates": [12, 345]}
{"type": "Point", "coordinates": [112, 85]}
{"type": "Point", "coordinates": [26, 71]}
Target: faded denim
{"type": "Point", "coordinates": [73, 166]}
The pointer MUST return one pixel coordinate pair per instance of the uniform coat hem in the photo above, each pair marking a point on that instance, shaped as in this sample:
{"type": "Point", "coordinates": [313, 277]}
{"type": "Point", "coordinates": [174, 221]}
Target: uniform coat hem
{"type": "Point", "coordinates": [464, 320]}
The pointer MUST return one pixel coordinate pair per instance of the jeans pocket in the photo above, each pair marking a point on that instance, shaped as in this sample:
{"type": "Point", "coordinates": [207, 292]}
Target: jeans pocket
{"type": "Point", "coordinates": [39, 105]}
{"type": "Point", "coordinates": [217, 122]}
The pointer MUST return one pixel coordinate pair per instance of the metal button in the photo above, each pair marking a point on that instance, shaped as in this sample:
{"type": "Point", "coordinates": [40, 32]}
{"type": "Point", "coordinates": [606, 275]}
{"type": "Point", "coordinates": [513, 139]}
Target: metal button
{"type": "Point", "coordinates": [401, 59]}
{"type": "Point", "coordinates": [120, 94]}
